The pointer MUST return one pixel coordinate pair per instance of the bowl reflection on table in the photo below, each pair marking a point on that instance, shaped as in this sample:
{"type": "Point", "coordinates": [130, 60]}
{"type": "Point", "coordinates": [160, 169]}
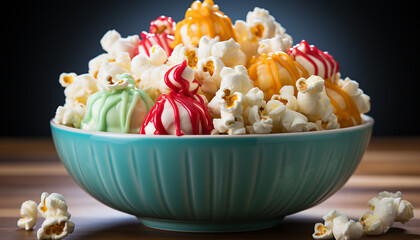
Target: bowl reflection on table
{"type": "Point", "coordinates": [211, 183]}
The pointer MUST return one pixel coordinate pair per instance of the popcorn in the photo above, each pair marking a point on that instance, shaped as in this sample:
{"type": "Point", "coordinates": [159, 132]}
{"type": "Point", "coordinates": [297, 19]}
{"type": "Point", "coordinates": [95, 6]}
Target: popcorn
{"type": "Point", "coordinates": [314, 103]}
{"type": "Point", "coordinates": [70, 115]}
{"type": "Point", "coordinates": [229, 52]}
{"type": "Point", "coordinates": [55, 228]}
{"type": "Point", "coordinates": [77, 88]}
{"type": "Point", "coordinates": [344, 107]}
{"type": "Point", "coordinates": [275, 88]}
{"type": "Point", "coordinates": [182, 53]}
{"type": "Point", "coordinates": [236, 80]}
{"type": "Point", "coordinates": [282, 109]}
{"type": "Point", "coordinates": [208, 74]}
{"type": "Point", "coordinates": [287, 97]}
{"type": "Point", "coordinates": [113, 43]}
{"type": "Point", "coordinates": [53, 205]}
{"type": "Point", "coordinates": [29, 212]}
{"type": "Point", "coordinates": [255, 114]}
{"type": "Point", "coordinates": [231, 120]}
{"type": "Point", "coordinates": [206, 45]}
{"type": "Point", "coordinates": [361, 100]}
{"type": "Point", "coordinates": [338, 225]}
{"type": "Point", "coordinates": [150, 70]}
{"type": "Point", "coordinates": [259, 25]}
{"type": "Point", "coordinates": [110, 69]}
{"type": "Point", "coordinates": [54, 209]}
{"type": "Point", "coordinates": [277, 43]}
{"type": "Point", "coordinates": [387, 208]}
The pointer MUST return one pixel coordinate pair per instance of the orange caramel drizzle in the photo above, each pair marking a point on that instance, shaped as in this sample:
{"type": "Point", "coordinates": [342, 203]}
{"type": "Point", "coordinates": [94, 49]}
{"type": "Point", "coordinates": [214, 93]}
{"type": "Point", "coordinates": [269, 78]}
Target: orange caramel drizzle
{"type": "Point", "coordinates": [271, 62]}
{"type": "Point", "coordinates": [200, 14]}
{"type": "Point", "coordinates": [347, 116]}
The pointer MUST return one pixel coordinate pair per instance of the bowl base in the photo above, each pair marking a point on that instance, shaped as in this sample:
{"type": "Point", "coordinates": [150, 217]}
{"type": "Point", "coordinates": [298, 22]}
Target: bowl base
{"type": "Point", "coordinates": [190, 226]}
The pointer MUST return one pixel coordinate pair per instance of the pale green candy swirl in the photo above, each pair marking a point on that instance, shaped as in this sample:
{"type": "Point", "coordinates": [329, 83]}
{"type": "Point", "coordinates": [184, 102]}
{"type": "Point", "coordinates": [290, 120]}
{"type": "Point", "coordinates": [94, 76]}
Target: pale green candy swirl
{"type": "Point", "coordinates": [121, 110]}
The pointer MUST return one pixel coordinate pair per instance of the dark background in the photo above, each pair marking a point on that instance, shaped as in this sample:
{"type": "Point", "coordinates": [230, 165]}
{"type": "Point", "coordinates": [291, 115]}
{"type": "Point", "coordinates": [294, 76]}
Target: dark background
{"type": "Point", "coordinates": [373, 41]}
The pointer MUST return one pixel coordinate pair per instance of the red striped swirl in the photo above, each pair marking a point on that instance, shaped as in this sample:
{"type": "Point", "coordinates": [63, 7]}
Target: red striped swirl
{"type": "Point", "coordinates": [314, 60]}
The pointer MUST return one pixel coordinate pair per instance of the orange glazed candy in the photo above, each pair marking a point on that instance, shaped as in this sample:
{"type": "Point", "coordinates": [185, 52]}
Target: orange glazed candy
{"type": "Point", "coordinates": [270, 72]}
{"type": "Point", "coordinates": [203, 19]}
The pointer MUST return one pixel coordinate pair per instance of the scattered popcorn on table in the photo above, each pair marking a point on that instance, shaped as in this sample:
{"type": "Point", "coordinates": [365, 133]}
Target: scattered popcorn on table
{"type": "Point", "coordinates": [57, 224]}
{"type": "Point", "coordinates": [29, 214]}
{"type": "Point", "coordinates": [386, 209]}
{"type": "Point", "coordinates": [55, 228]}
{"type": "Point", "coordinates": [339, 226]}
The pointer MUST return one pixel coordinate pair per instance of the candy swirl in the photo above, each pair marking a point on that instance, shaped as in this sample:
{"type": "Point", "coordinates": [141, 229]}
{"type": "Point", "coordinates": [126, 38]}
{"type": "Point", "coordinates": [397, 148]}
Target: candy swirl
{"type": "Point", "coordinates": [182, 111]}
{"type": "Point", "coordinates": [314, 60]}
{"type": "Point", "coordinates": [203, 19]}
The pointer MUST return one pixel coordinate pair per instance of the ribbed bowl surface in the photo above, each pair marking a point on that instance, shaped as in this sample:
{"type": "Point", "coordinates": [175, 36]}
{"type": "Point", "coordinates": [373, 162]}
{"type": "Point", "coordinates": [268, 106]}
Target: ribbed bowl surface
{"type": "Point", "coordinates": [212, 178]}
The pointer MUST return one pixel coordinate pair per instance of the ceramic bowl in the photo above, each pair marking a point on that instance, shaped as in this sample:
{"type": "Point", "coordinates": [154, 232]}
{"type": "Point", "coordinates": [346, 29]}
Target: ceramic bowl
{"type": "Point", "coordinates": [211, 183]}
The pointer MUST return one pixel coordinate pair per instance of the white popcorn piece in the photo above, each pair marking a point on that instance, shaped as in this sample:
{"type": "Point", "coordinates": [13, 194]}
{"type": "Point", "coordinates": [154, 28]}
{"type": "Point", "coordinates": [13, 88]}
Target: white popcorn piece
{"type": "Point", "coordinates": [282, 109]}
{"type": "Point", "coordinates": [236, 80]}
{"type": "Point", "coordinates": [70, 115]}
{"type": "Point", "coordinates": [345, 229]}
{"type": "Point", "coordinates": [229, 52]}
{"type": "Point", "coordinates": [109, 70]}
{"type": "Point", "coordinates": [151, 71]}
{"type": "Point", "coordinates": [259, 25]}
{"type": "Point", "coordinates": [257, 118]}
{"type": "Point", "coordinates": [206, 45]}
{"type": "Point", "coordinates": [231, 120]}
{"type": "Point", "coordinates": [120, 81]}
{"type": "Point", "coordinates": [66, 79]}
{"type": "Point", "coordinates": [57, 225]}
{"type": "Point", "coordinates": [386, 209]}
{"type": "Point", "coordinates": [361, 100]}
{"type": "Point", "coordinates": [122, 60]}
{"type": "Point", "coordinates": [314, 103]}
{"type": "Point", "coordinates": [53, 205]}
{"type": "Point", "coordinates": [181, 53]}
{"type": "Point", "coordinates": [55, 228]}
{"type": "Point", "coordinates": [287, 97]}
{"type": "Point", "coordinates": [29, 214]}
{"type": "Point", "coordinates": [339, 226]}
{"type": "Point", "coordinates": [274, 44]}
{"type": "Point", "coordinates": [113, 43]}
{"type": "Point", "coordinates": [208, 74]}
{"type": "Point", "coordinates": [78, 88]}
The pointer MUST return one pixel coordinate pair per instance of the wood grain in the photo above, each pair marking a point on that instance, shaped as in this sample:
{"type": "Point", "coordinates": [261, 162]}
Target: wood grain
{"type": "Point", "coordinates": [29, 167]}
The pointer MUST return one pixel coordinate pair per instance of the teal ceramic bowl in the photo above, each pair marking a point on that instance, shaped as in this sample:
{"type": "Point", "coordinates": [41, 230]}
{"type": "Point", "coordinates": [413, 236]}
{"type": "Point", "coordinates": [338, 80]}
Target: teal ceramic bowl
{"type": "Point", "coordinates": [211, 183]}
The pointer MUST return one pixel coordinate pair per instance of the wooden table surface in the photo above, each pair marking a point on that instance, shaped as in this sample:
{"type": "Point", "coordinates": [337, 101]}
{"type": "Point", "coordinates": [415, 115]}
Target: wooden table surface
{"type": "Point", "coordinates": [29, 167]}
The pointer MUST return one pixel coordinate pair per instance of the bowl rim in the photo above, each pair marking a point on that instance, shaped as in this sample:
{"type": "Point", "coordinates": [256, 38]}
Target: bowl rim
{"type": "Point", "coordinates": [367, 122]}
